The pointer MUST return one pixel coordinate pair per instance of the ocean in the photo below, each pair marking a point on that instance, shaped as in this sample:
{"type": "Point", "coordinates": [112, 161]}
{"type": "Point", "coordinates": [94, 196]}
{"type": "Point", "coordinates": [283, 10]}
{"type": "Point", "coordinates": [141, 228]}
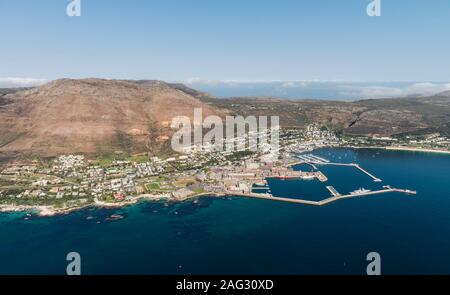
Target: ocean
{"type": "Point", "coordinates": [249, 236]}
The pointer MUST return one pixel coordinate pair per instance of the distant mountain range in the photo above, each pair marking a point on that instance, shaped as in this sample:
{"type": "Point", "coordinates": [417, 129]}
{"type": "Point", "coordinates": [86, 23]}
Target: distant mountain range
{"type": "Point", "coordinates": [385, 117]}
{"type": "Point", "coordinates": [103, 116]}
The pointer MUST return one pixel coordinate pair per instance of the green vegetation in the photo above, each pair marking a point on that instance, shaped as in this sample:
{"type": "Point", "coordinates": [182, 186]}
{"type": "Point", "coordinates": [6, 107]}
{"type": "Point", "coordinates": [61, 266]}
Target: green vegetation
{"type": "Point", "coordinates": [142, 158]}
{"type": "Point", "coordinates": [199, 191]}
{"type": "Point", "coordinates": [7, 137]}
{"type": "Point", "coordinates": [105, 159]}
{"type": "Point", "coordinates": [153, 186]}
{"type": "Point", "coordinates": [239, 155]}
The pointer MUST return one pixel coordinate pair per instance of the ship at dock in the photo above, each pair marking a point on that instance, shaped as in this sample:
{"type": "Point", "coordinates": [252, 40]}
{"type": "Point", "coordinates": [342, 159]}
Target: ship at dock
{"type": "Point", "coordinates": [360, 191]}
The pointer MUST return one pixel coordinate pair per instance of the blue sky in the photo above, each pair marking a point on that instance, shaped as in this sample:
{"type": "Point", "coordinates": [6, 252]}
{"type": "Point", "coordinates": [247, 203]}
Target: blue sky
{"type": "Point", "coordinates": [211, 40]}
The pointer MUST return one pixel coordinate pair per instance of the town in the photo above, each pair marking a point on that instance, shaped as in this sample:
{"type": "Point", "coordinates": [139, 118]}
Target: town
{"type": "Point", "coordinates": [69, 182]}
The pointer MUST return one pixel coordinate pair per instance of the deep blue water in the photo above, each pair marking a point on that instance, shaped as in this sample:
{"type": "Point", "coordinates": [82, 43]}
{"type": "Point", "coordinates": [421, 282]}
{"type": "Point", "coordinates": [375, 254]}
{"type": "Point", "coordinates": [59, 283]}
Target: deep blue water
{"type": "Point", "coordinates": [231, 235]}
{"type": "Point", "coordinates": [302, 89]}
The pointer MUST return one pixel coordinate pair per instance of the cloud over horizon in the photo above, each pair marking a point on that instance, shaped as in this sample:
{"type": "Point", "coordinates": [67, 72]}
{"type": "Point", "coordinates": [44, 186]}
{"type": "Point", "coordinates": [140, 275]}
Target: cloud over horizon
{"type": "Point", "coordinates": [342, 90]}
{"type": "Point", "coordinates": [13, 82]}
{"type": "Point", "coordinates": [419, 89]}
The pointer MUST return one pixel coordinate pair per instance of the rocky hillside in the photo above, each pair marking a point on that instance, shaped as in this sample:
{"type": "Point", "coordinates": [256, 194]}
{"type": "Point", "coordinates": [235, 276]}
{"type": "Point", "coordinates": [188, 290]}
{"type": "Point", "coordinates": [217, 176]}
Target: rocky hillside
{"type": "Point", "coordinates": [91, 116]}
{"type": "Point", "coordinates": [412, 115]}
{"type": "Point", "coordinates": [104, 116]}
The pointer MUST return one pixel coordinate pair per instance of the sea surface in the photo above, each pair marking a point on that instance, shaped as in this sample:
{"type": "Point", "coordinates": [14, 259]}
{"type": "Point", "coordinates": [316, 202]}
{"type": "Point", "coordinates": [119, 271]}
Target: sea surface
{"type": "Point", "coordinates": [246, 236]}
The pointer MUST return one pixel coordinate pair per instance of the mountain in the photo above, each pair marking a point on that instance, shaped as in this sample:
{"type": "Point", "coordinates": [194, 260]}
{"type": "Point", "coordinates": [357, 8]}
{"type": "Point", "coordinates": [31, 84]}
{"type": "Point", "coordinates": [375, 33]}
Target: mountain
{"type": "Point", "coordinates": [444, 94]}
{"type": "Point", "coordinates": [105, 116]}
{"type": "Point", "coordinates": [92, 116]}
{"type": "Point", "coordinates": [205, 97]}
{"type": "Point", "coordinates": [385, 117]}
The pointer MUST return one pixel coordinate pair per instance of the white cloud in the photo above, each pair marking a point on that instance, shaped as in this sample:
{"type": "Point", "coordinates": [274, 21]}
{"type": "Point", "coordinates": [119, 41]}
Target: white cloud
{"type": "Point", "coordinates": [295, 84]}
{"type": "Point", "coordinates": [289, 84]}
{"type": "Point", "coordinates": [20, 82]}
{"type": "Point", "coordinates": [327, 89]}
{"type": "Point", "coordinates": [202, 81]}
{"type": "Point", "coordinates": [282, 83]}
{"type": "Point", "coordinates": [420, 89]}
{"type": "Point", "coordinates": [429, 88]}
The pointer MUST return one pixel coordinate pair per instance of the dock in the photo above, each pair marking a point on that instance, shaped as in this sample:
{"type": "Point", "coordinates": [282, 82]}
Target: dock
{"type": "Point", "coordinates": [313, 160]}
{"type": "Point", "coordinates": [376, 179]}
{"type": "Point", "coordinates": [357, 166]}
{"type": "Point", "coordinates": [302, 162]}
{"type": "Point", "coordinates": [261, 188]}
{"type": "Point", "coordinates": [333, 191]}
{"type": "Point", "coordinates": [320, 159]}
{"type": "Point", "coordinates": [323, 202]}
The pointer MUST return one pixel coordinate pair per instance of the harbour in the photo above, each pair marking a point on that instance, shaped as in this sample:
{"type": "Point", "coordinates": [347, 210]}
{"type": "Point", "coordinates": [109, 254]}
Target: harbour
{"type": "Point", "coordinates": [265, 193]}
{"type": "Point", "coordinates": [326, 201]}
{"type": "Point", "coordinates": [313, 161]}
{"type": "Point", "coordinates": [184, 237]}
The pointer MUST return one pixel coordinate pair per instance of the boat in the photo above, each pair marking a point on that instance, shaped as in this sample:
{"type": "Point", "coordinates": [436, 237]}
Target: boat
{"type": "Point", "coordinates": [115, 217]}
{"type": "Point", "coordinates": [360, 191]}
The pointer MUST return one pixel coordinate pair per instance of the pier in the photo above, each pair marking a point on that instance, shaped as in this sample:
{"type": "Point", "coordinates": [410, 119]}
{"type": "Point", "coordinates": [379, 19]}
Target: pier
{"type": "Point", "coordinates": [312, 160]}
{"type": "Point", "coordinates": [301, 162]}
{"type": "Point", "coordinates": [295, 163]}
{"type": "Point", "coordinates": [333, 191]}
{"type": "Point", "coordinates": [319, 203]}
{"type": "Point", "coordinates": [376, 179]}
{"type": "Point", "coordinates": [319, 159]}
{"type": "Point", "coordinates": [261, 188]}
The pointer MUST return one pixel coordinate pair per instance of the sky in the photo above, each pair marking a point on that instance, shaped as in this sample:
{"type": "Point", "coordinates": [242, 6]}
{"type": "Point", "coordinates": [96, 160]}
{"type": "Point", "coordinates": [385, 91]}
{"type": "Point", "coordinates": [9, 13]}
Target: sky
{"type": "Point", "coordinates": [200, 41]}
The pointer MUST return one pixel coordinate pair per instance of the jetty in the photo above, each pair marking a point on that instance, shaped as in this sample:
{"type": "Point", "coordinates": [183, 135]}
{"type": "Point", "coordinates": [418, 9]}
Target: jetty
{"type": "Point", "coordinates": [312, 160]}
{"type": "Point", "coordinates": [357, 166]}
{"type": "Point", "coordinates": [261, 188]}
{"type": "Point", "coordinates": [376, 179]}
{"type": "Point", "coordinates": [324, 202]}
{"type": "Point", "coordinates": [333, 191]}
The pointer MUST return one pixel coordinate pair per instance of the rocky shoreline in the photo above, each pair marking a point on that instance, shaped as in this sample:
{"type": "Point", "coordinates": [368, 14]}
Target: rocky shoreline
{"type": "Point", "coordinates": [49, 211]}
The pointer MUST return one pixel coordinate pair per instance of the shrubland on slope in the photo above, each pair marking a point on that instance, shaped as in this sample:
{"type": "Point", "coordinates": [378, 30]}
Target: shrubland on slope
{"type": "Point", "coordinates": [92, 116]}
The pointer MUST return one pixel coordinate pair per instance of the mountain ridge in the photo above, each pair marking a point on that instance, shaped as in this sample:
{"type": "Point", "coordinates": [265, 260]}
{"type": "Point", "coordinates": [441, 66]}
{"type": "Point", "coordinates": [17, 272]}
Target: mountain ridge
{"type": "Point", "coordinates": [91, 115]}
{"type": "Point", "coordinates": [102, 116]}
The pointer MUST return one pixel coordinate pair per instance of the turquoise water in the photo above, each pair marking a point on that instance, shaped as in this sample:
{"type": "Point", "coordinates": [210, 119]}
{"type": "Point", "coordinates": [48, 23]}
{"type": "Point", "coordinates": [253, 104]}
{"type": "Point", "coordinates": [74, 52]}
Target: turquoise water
{"type": "Point", "coordinates": [231, 235]}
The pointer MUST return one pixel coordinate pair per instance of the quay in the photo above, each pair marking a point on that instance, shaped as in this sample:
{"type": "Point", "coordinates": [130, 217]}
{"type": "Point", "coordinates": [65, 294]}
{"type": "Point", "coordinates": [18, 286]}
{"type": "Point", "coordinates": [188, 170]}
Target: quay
{"type": "Point", "coordinates": [320, 159]}
{"type": "Point", "coordinates": [357, 166]}
{"type": "Point", "coordinates": [376, 179]}
{"type": "Point", "coordinates": [302, 162]}
{"type": "Point", "coordinates": [261, 188]}
{"type": "Point", "coordinates": [333, 191]}
{"type": "Point", "coordinates": [314, 160]}
{"type": "Point", "coordinates": [318, 203]}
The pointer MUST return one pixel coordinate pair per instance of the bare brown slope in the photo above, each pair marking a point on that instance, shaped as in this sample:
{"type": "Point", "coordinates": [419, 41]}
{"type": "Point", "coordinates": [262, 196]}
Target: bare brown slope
{"type": "Point", "coordinates": [413, 115]}
{"type": "Point", "coordinates": [90, 116]}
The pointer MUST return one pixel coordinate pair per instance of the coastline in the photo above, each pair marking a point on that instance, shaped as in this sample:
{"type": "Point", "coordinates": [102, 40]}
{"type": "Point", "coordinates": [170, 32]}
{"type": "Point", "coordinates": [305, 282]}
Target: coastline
{"type": "Point", "coordinates": [422, 150]}
{"type": "Point", "coordinates": [49, 211]}
{"type": "Point", "coordinates": [400, 148]}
